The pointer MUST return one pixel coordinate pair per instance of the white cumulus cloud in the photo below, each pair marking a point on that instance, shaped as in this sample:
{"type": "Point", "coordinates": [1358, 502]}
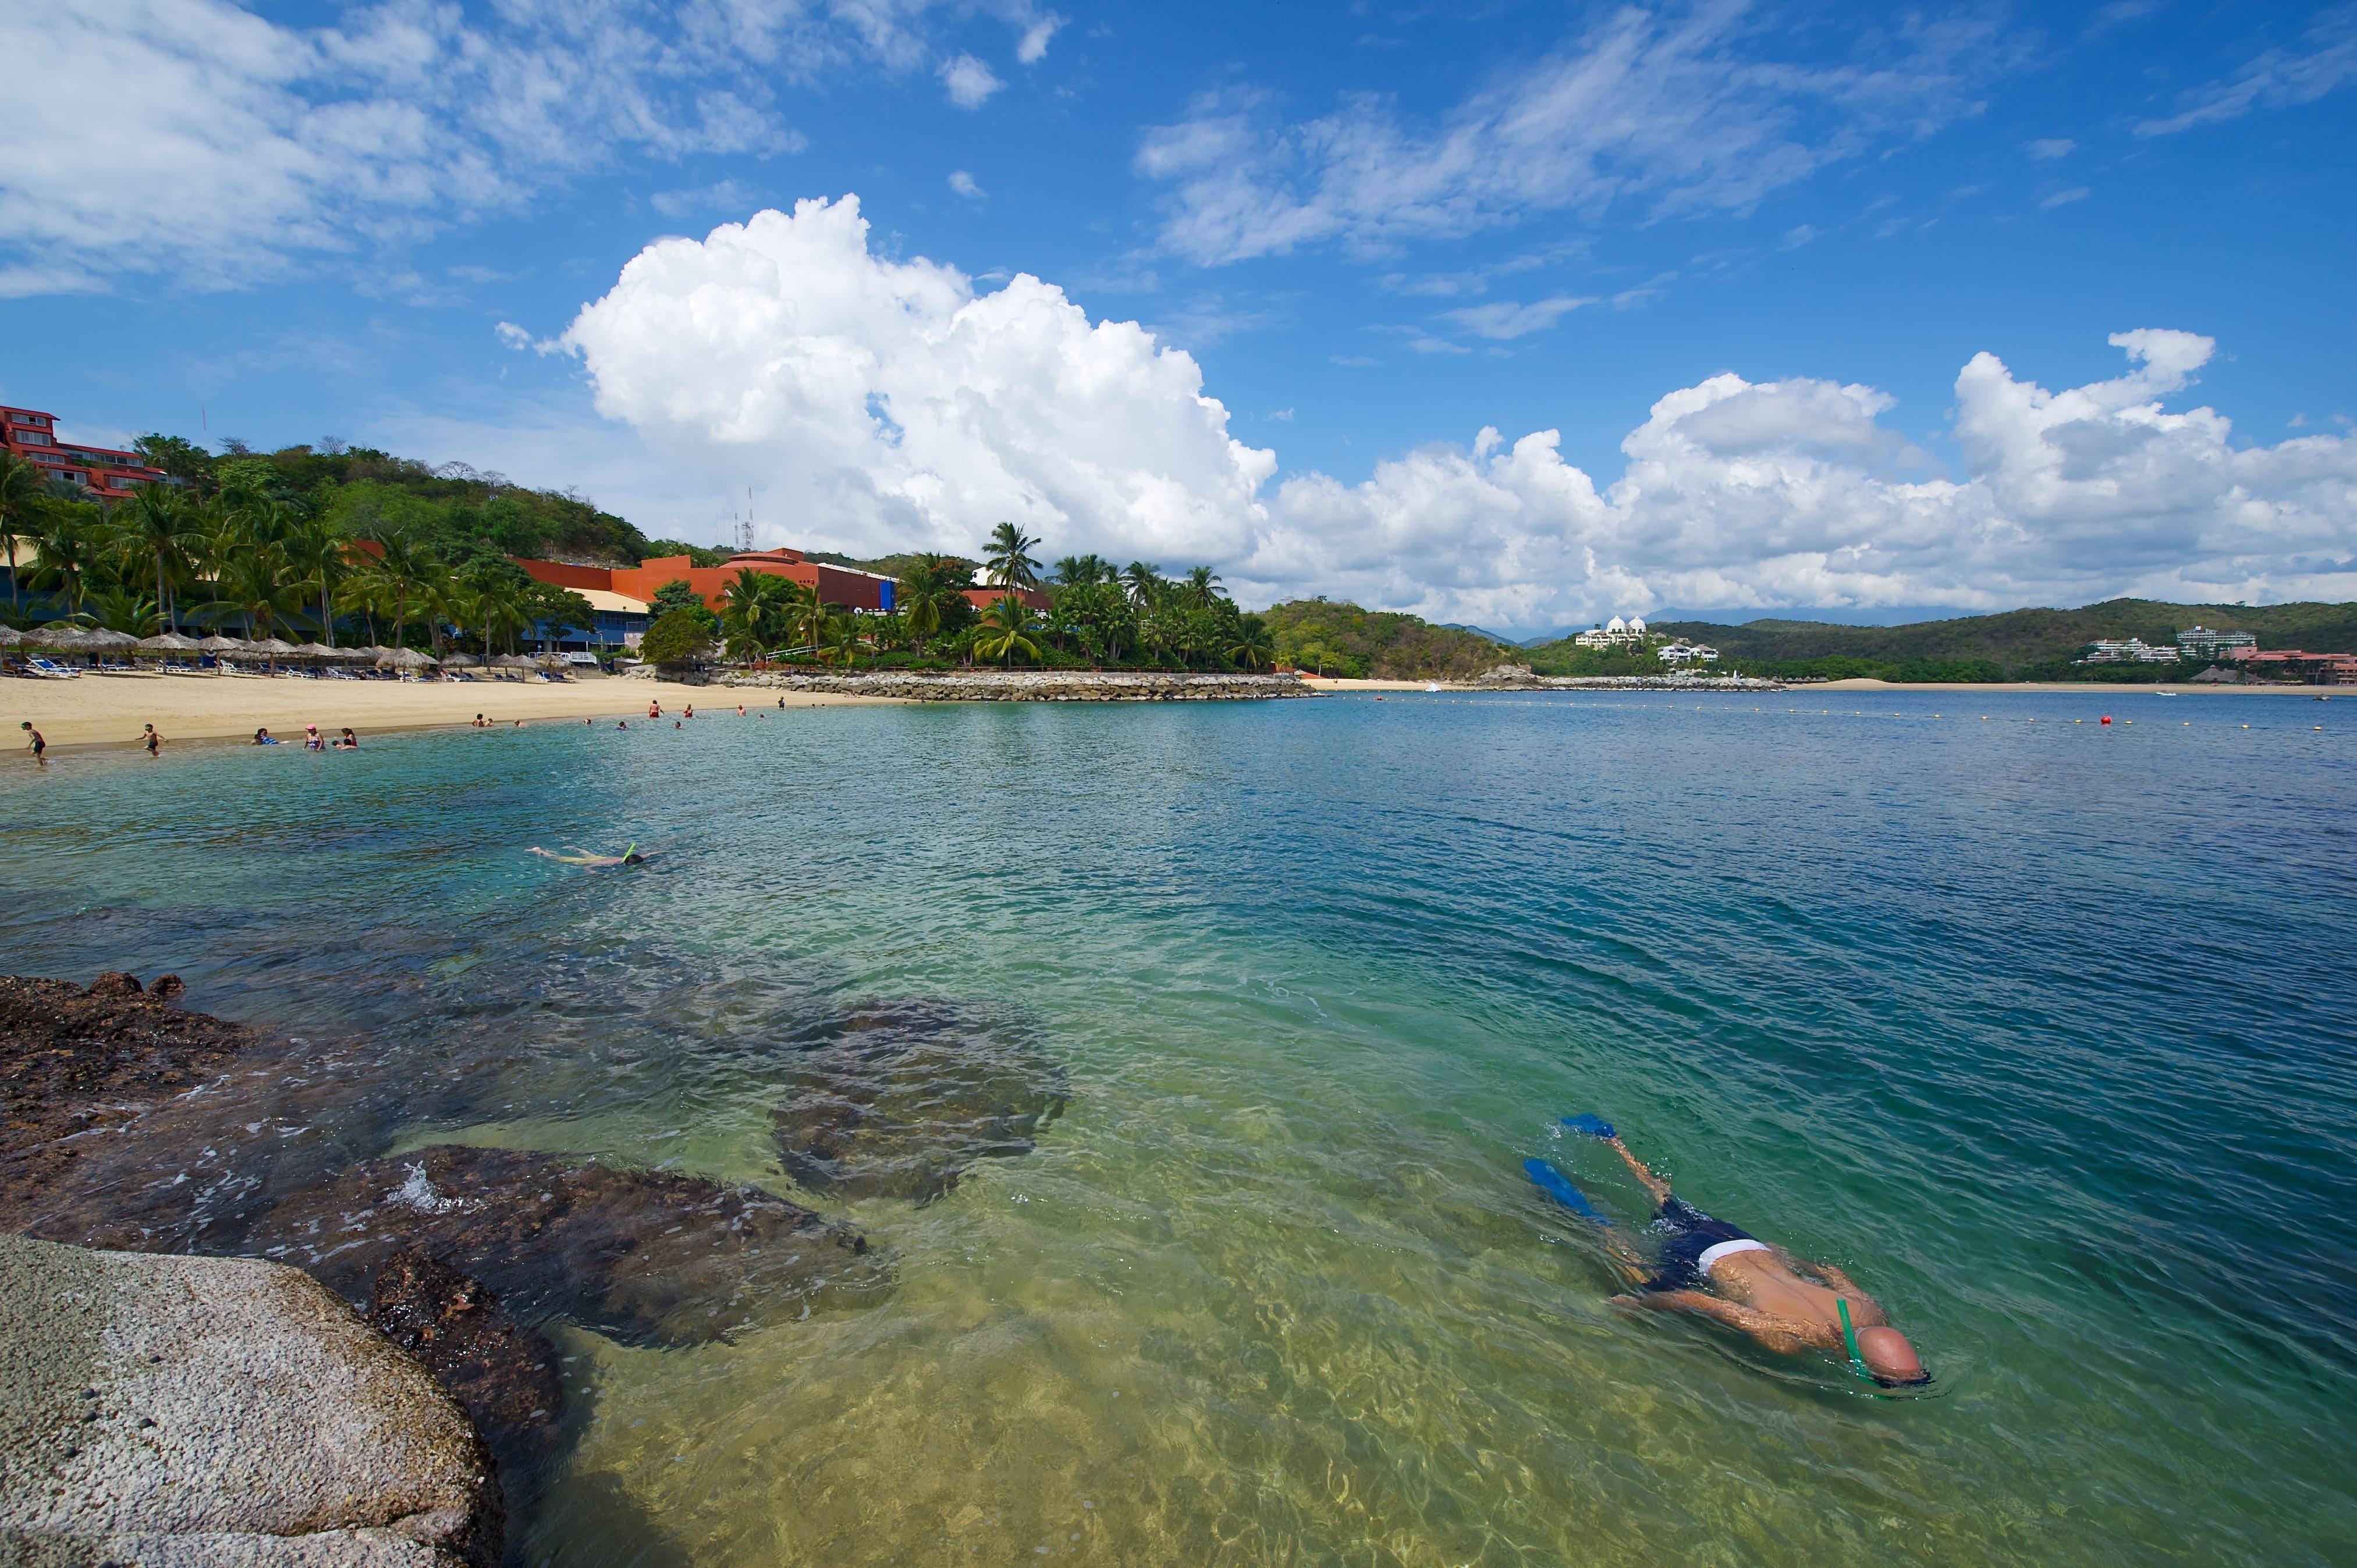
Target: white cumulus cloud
{"type": "Point", "coordinates": [889, 406]}
{"type": "Point", "coordinates": [899, 408]}
{"type": "Point", "coordinates": [964, 185]}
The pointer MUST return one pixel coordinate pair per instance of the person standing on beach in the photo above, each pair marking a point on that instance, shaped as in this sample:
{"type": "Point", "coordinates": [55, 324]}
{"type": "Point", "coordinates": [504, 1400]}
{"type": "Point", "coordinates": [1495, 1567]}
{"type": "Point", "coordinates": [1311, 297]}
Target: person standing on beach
{"type": "Point", "coordinates": [39, 746]}
{"type": "Point", "coordinates": [1714, 1270]}
{"type": "Point", "coordinates": [151, 741]}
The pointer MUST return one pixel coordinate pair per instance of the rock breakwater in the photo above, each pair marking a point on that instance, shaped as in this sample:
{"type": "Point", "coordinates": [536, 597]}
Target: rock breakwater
{"type": "Point", "coordinates": [1029, 685]}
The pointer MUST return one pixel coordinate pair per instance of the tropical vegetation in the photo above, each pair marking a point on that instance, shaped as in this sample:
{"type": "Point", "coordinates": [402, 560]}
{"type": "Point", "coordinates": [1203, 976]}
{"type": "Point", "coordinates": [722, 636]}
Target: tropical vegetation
{"type": "Point", "coordinates": [238, 548]}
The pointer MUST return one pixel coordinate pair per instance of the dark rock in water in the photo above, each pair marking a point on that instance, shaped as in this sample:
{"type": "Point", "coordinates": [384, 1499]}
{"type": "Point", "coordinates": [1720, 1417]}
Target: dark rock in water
{"type": "Point", "coordinates": [77, 1064]}
{"type": "Point", "coordinates": [902, 1097]}
{"type": "Point", "coordinates": [502, 1374]}
{"type": "Point", "coordinates": [642, 1256]}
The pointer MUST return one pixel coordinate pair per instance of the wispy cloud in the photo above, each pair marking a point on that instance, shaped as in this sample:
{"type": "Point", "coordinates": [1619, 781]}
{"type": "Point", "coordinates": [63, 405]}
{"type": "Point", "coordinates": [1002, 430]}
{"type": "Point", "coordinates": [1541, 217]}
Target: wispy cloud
{"type": "Point", "coordinates": [969, 81]}
{"type": "Point", "coordinates": [2064, 197]}
{"type": "Point", "coordinates": [2325, 61]}
{"type": "Point", "coordinates": [2046, 149]}
{"type": "Point", "coordinates": [215, 144]}
{"type": "Point", "coordinates": [1504, 321]}
{"type": "Point", "coordinates": [1669, 114]}
{"type": "Point", "coordinates": [723, 196]}
{"type": "Point", "coordinates": [964, 184]}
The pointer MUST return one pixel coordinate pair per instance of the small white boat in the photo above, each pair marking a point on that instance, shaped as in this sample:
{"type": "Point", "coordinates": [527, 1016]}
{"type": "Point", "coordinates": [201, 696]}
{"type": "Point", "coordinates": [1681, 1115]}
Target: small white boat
{"type": "Point", "coordinates": [1432, 685]}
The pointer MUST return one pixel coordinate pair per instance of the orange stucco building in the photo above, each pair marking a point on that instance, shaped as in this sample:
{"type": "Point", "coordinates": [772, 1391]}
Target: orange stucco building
{"type": "Point", "coordinates": [835, 584]}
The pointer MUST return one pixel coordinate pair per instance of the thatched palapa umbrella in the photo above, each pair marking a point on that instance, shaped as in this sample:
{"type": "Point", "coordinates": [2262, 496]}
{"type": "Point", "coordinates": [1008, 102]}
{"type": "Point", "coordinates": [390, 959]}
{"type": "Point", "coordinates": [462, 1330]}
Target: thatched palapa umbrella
{"type": "Point", "coordinates": [460, 661]}
{"type": "Point", "coordinates": [217, 643]}
{"type": "Point", "coordinates": [165, 642]}
{"type": "Point", "coordinates": [410, 659]}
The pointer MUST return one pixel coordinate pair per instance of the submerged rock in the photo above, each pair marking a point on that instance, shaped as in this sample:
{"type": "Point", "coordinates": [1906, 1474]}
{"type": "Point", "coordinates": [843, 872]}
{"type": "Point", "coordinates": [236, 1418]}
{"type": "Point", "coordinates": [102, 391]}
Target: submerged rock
{"type": "Point", "coordinates": [899, 1098]}
{"type": "Point", "coordinates": [502, 1374]}
{"type": "Point", "coordinates": [642, 1256]}
{"type": "Point", "coordinates": [219, 1411]}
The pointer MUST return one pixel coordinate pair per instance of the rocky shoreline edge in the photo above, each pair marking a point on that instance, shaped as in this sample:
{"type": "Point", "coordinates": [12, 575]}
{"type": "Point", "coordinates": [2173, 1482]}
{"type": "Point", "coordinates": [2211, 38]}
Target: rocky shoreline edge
{"type": "Point", "coordinates": [1029, 685]}
{"type": "Point", "coordinates": [236, 1328]}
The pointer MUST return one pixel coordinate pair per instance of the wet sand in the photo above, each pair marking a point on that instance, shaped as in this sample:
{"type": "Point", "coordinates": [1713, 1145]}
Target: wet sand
{"type": "Point", "coordinates": [108, 710]}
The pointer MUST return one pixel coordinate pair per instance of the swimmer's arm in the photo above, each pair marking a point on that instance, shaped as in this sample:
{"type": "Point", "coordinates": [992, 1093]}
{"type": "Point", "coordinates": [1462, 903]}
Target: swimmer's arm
{"type": "Point", "coordinates": [1776, 1333]}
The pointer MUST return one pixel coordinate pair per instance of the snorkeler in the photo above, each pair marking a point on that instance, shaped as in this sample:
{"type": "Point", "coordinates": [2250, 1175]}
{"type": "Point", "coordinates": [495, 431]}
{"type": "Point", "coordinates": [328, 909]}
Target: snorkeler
{"type": "Point", "coordinates": [580, 856]}
{"type": "Point", "coordinates": [1717, 1271]}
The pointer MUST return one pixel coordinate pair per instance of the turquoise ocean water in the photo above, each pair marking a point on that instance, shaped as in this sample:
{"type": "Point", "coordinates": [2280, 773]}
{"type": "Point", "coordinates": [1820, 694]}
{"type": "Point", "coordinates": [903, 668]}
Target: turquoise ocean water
{"type": "Point", "coordinates": [2046, 1031]}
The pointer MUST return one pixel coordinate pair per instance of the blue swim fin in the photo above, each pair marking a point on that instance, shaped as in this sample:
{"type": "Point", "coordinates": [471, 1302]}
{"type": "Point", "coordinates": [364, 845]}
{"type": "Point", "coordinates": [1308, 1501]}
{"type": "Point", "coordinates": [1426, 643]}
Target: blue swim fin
{"type": "Point", "coordinates": [1552, 1182]}
{"type": "Point", "coordinates": [1594, 1126]}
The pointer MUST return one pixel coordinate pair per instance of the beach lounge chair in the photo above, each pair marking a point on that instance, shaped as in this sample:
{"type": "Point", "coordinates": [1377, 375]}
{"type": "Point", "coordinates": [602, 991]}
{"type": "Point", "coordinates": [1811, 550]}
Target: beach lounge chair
{"type": "Point", "coordinates": [50, 670]}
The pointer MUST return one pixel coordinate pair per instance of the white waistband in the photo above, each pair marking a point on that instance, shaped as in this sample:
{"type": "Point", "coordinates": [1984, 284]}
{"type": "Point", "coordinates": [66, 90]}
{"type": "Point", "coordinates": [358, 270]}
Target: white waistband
{"type": "Point", "coordinates": [1727, 1249]}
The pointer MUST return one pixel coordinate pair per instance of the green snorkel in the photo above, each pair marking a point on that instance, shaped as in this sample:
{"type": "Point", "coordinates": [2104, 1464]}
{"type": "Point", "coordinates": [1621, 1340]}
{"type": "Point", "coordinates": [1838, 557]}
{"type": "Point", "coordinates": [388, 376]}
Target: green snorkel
{"type": "Point", "coordinates": [1874, 1385]}
{"type": "Point", "coordinates": [1849, 1341]}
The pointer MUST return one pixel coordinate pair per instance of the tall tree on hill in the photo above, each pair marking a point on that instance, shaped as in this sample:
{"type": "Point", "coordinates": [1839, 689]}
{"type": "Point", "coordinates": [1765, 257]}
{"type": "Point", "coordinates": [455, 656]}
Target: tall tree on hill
{"type": "Point", "coordinates": [1009, 560]}
{"type": "Point", "coordinates": [1200, 587]}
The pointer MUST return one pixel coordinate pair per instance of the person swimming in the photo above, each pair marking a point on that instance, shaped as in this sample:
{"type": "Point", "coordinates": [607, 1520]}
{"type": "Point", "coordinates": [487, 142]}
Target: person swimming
{"type": "Point", "coordinates": [1721, 1271]}
{"type": "Point", "coordinates": [580, 856]}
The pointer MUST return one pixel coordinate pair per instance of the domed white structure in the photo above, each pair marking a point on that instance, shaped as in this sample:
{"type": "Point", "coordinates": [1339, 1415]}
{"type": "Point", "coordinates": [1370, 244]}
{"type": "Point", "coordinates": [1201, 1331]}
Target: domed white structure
{"type": "Point", "coordinates": [1637, 625]}
{"type": "Point", "coordinates": [1616, 624]}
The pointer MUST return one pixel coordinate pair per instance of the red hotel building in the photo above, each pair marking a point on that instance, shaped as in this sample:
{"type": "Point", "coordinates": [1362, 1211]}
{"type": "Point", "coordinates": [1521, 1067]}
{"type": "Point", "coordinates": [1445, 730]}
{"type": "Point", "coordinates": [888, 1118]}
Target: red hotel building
{"type": "Point", "coordinates": [108, 475]}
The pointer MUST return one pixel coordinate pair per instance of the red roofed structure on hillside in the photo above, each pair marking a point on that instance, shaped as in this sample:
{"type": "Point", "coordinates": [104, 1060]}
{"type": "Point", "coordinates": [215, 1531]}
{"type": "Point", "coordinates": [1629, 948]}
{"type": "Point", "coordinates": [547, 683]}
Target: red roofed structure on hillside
{"type": "Point", "coordinates": [107, 473]}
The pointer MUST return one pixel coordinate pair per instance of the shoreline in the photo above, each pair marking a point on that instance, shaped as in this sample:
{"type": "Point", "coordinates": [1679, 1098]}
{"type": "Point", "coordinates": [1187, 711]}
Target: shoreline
{"type": "Point", "coordinates": [104, 713]}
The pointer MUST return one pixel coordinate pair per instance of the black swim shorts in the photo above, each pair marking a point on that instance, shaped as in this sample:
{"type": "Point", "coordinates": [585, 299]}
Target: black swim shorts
{"type": "Point", "coordinates": [1690, 1234]}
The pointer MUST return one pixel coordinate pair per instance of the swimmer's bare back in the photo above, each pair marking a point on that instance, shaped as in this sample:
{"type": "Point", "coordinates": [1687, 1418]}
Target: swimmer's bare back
{"type": "Point", "coordinates": [629, 857]}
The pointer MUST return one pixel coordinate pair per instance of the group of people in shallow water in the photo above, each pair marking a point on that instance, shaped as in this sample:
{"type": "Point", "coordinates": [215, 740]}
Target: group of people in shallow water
{"type": "Point", "coordinates": [1714, 1270]}
{"type": "Point", "coordinates": [312, 740]}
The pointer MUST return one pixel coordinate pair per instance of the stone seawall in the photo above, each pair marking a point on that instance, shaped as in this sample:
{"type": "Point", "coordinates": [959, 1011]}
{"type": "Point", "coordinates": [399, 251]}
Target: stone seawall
{"type": "Point", "coordinates": [1029, 685]}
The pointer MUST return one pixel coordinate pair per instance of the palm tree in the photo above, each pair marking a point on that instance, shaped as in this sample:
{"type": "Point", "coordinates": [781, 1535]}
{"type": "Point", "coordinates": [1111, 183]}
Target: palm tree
{"type": "Point", "coordinates": [1007, 558]}
{"type": "Point", "coordinates": [126, 610]}
{"type": "Point", "coordinates": [1252, 646]}
{"type": "Point", "coordinates": [156, 522]}
{"type": "Point", "coordinates": [1200, 587]}
{"type": "Point", "coordinates": [319, 556]}
{"type": "Point", "coordinates": [22, 505]}
{"type": "Point", "coordinates": [1005, 628]}
{"type": "Point", "coordinates": [405, 574]}
{"type": "Point", "coordinates": [758, 607]}
{"type": "Point", "coordinates": [67, 548]}
{"type": "Point", "coordinates": [1145, 581]}
{"type": "Point", "coordinates": [254, 584]}
{"type": "Point", "coordinates": [840, 640]}
{"type": "Point", "coordinates": [924, 593]}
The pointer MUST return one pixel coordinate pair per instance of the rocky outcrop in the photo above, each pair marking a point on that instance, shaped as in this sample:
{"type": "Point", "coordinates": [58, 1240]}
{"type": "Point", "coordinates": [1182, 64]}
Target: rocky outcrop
{"type": "Point", "coordinates": [902, 1095]}
{"type": "Point", "coordinates": [193, 1411]}
{"type": "Point", "coordinates": [1029, 685]}
{"type": "Point", "coordinates": [646, 1257]}
{"type": "Point", "coordinates": [504, 1375]}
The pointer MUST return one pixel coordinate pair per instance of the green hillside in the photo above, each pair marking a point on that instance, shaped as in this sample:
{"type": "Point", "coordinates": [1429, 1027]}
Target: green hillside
{"type": "Point", "coordinates": [1344, 640]}
{"type": "Point", "coordinates": [2016, 645]}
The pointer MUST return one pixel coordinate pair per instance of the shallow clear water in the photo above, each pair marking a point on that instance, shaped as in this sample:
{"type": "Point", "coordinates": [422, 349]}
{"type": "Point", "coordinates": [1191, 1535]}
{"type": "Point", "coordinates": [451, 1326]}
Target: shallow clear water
{"type": "Point", "coordinates": [2043, 1030]}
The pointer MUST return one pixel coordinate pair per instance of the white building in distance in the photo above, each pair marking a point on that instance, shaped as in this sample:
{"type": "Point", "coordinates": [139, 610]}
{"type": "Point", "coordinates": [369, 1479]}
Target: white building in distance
{"type": "Point", "coordinates": [1684, 652]}
{"type": "Point", "coordinates": [1618, 633]}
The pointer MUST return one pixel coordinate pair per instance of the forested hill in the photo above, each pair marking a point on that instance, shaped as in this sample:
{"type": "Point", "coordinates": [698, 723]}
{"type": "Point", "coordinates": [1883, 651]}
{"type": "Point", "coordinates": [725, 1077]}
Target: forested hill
{"type": "Point", "coordinates": [1343, 639]}
{"type": "Point", "coordinates": [2019, 639]}
{"type": "Point", "coordinates": [451, 507]}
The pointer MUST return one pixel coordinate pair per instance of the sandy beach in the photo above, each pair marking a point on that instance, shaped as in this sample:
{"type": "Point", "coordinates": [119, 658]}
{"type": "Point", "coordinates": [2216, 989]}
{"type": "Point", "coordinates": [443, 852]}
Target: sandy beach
{"type": "Point", "coordinates": [108, 710]}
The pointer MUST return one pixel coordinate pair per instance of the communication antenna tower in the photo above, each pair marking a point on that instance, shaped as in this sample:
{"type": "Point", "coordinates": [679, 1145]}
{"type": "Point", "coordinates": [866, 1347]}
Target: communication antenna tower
{"type": "Point", "coordinates": [745, 525]}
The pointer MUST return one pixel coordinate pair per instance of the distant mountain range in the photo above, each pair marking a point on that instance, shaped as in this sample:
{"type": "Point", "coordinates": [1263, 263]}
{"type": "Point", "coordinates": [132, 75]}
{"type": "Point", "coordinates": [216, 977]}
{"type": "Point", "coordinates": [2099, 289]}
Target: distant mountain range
{"type": "Point", "coordinates": [2015, 639]}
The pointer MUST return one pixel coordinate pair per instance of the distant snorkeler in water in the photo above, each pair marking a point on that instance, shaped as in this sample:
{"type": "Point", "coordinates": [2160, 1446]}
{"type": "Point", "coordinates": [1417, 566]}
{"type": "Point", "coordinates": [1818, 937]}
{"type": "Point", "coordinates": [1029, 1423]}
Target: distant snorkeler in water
{"type": "Point", "coordinates": [1712, 1269]}
{"type": "Point", "coordinates": [580, 856]}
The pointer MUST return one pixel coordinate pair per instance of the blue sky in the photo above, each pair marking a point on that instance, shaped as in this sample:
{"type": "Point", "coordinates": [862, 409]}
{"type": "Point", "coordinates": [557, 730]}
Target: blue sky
{"type": "Point", "coordinates": [1740, 261]}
